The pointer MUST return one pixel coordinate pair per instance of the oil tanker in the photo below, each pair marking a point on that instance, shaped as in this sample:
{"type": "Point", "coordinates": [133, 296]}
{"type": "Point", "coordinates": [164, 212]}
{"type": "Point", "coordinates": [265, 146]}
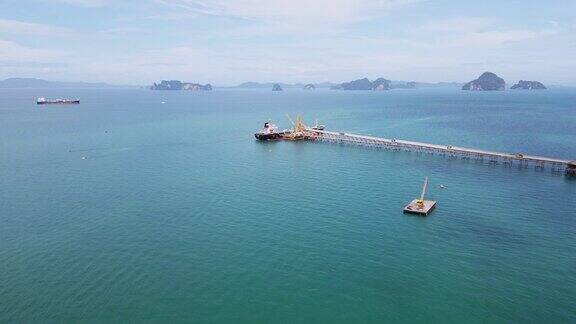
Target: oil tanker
{"type": "Point", "coordinates": [268, 133]}
{"type": "Point", "coordinates": [44, 101]}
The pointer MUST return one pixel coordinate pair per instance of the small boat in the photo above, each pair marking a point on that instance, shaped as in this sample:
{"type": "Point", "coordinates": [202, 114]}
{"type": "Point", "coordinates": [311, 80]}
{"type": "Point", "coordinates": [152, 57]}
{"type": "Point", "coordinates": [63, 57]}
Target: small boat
{"type": "Point", "coordinates": [44, 101]}
{"type": "Point", "coordinates": [268, 133]}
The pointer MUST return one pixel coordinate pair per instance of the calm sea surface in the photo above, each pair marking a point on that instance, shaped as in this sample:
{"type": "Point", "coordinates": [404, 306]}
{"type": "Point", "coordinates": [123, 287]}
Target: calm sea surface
{"type": "Point", "coordinates": [126, 209]}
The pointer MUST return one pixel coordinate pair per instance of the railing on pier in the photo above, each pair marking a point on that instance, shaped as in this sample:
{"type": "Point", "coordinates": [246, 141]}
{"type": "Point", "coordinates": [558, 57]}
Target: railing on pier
{"type": "Point", "coordinates": [508, 159]}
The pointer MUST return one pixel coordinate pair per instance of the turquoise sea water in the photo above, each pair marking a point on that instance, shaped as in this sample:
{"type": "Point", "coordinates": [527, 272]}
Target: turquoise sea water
{"type": "Point", "coordinates": [126, 209]}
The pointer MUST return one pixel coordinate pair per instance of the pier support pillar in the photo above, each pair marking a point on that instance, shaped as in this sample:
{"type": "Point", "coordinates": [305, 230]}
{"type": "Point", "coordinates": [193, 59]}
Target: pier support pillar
{"type": "Point", "coordinates": [571, 169]}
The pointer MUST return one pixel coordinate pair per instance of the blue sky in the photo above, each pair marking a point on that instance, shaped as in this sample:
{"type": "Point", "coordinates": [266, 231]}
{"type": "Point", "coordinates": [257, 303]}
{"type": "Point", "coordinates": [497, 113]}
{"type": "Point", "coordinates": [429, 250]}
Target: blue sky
{"type": "Point", "coordinates": [225, 42]}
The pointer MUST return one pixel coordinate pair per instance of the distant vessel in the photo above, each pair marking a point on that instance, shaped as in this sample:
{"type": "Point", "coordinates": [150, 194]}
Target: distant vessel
{"type": "Point", "coordinates": [268, 133]}
{"type": "Point", "coordinates": [44, 101]}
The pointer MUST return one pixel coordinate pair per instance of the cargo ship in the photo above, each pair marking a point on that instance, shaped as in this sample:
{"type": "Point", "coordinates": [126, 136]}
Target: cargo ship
{"type": "Point", "coordinates": [44, 101]}
{"type": "Point", "coordinates": [268, 133]}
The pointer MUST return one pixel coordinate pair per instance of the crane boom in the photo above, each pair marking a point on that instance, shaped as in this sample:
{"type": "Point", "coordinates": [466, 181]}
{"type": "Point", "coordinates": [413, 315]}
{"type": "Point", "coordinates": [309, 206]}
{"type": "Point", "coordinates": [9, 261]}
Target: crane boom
{"type": "Point", "coordinates": [424, 189]}
{"type": "Point", "coordinates": [290, 119]}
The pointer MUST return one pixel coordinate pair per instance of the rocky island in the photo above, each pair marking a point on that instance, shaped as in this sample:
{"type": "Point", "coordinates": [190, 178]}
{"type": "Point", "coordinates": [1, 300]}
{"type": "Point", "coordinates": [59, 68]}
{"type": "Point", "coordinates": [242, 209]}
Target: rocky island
{"type": "Point", "coordinates": [364, 84]}
{"type": "Point", "coordinates": [488, 81]}
{"type": "Point", "coordinates": [309, 86]}
{"type": "Point", "coordinates": [178, 85]}
{"type": "Point", "coordinates": [361, 84]}
{"type": "Point", "coordinates": [528, 85]}
{"type": "Point", "coordinates": [381, 84]}
{"type": "Point", "coordinates": [276, 87]}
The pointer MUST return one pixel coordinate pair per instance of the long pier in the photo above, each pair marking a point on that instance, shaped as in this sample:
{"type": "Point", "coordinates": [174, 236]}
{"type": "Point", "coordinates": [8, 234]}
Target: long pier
{"type": "Point", "coordinates": [507, 159]}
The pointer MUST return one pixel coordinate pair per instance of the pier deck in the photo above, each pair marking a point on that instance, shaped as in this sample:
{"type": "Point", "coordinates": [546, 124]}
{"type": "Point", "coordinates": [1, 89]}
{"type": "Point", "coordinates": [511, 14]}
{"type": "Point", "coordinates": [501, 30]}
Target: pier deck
{"type": "Point", "coordinates": [508, 159]}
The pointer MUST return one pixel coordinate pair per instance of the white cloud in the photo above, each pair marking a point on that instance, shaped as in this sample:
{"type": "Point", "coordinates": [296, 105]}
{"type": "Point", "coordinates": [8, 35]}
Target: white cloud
{"type": "Point", "coordinates": [14, 52]}
{"type": "Point", "coordinates": [496, 38]}
{"type": "Point", "coordinates": [240, 40]}
{"type": "Point", "coordinates": [26, 28]}
{"type": "Point", "coordinates": [456, 25]}
{"type": "Point", "coordinates": [84, 3]}
{"type": "Point", "coordinates": [475, 32]}
{"type": "Point", "coordinates": [291, 11]}
{"type": "Point", "coordinates": [125, 30]}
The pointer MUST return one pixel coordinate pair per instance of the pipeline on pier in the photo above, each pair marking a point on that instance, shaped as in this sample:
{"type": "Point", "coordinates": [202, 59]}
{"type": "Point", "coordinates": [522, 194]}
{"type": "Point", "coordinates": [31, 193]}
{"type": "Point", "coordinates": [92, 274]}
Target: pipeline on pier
{"type": "Point", "coordinates": [317, 133]}
{"type": "Point", "coordinates": [523, 160]}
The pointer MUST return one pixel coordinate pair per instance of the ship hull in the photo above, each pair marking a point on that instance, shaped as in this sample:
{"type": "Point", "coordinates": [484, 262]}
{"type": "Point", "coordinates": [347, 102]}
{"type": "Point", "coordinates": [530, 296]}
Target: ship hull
{"type": "Point", "coordinates": [268, 137]}
{"type": "Point", "coordinates": [67, 102]}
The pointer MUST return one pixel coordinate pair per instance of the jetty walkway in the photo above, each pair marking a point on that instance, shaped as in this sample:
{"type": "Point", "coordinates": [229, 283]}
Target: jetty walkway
{"type": "Point", "coordinates": [508, 159]}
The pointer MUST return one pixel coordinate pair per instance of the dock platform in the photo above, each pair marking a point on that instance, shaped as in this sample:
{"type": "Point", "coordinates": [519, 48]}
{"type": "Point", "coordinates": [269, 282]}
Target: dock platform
{"type": "Point", "coordinates": [424, 209]}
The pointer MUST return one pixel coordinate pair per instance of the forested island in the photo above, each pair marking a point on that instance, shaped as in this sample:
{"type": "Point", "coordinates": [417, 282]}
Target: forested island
{"type": "Point", "coordinates": [528, 85]}
{"type": "Point", "coordinates": [178, 85]}
{"type": "Point", "coordinates": [488, 81]}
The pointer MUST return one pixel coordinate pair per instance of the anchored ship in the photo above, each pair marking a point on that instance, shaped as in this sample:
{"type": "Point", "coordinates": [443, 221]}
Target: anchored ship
{"type": "Point", "coordinates": [298, 132]}
{"type": "Point", "coordinates": [268, 133]}
{"type": "Point", "coordinates": [44, 101]}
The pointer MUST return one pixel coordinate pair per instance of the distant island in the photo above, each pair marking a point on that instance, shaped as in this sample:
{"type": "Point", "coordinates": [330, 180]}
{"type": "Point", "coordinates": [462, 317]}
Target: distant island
{"type": "Point", "coordinates": [33, 83]}
{"type": "Point", "coordinates": [385, 84]}
{"type": "Point", "coordinates": [268, 85]}
{"type": "Point", "coordinates": [335, 86]}
{"type": "Point", "coordinates": [360, 84]}
{"type": "Point", "coordinates": [381, 84]}
{"type": "Point", "coordinates": [276, 87]}
{"type": "Point", "coordinates": [365, 84]}
{"type": "Point", "coordinates": [528, 85]}
{"type": "Point", "coordinates": [178, 85]}
{"type": "Point", "coordinates": [488, 81]}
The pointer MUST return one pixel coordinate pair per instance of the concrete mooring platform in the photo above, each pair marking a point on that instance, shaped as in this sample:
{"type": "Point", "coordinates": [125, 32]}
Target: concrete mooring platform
{"type": "Point", "coordinates": [424, 208]}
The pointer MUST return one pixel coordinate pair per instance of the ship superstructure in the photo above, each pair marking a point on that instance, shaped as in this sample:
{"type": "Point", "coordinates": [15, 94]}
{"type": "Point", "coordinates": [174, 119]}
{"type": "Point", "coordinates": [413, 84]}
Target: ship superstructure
{"type": "Point", "coordinates": [268, 133]}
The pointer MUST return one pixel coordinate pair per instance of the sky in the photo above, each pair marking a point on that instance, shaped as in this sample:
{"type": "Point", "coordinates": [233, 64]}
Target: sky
{"type": "Point", "coordinates": [226, 42]}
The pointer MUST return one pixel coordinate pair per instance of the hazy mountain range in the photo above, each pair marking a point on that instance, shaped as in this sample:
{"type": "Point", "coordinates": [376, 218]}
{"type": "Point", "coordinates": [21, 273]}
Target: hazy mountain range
{"type": "Point", "coordinates": [14, 83]}
{"type": "Point", "coordinates": [394, 84]}
{"type": "Point", "coordinates": [258, 85]}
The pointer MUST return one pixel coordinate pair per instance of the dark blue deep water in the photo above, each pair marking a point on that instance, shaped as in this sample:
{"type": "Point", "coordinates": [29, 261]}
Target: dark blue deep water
{"type": "Point", "coordinates": [124, 209]}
